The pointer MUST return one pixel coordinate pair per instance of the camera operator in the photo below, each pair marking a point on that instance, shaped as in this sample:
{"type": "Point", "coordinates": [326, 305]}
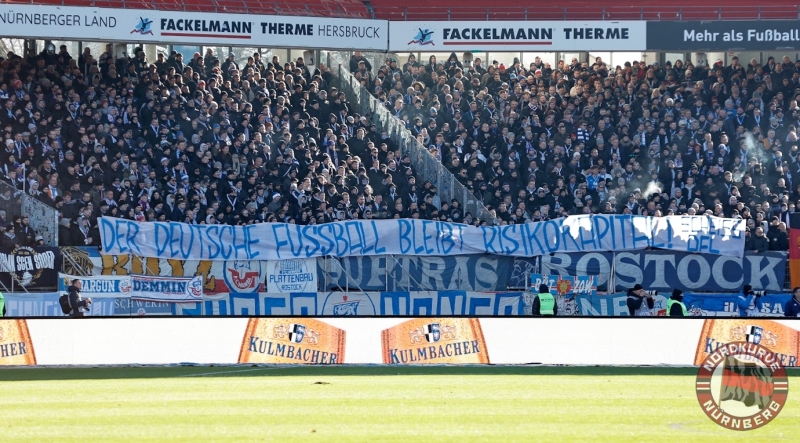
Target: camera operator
{"type": "Point", "coordinates": [675, 306]}
{"type": "Point", "coordinates": [792, 308]}
{"type": "Point", "coordinates": [640, 302]}
{"type": "Point", "coordinates": [749, 302]}
{"type": "Point", "coordinates": [544, 305]}
{"type": "Point", "coordinates": [79, 306]}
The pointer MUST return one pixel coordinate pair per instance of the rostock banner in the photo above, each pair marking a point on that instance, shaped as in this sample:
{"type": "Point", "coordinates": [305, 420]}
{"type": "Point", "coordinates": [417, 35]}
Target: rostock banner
{"type": "Point", "coordinates": [663, 270]}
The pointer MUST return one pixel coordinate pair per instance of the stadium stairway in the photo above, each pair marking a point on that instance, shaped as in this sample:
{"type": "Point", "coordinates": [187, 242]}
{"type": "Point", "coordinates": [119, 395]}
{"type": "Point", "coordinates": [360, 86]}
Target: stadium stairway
{"type": "Point", "coordinates": [427, 166]}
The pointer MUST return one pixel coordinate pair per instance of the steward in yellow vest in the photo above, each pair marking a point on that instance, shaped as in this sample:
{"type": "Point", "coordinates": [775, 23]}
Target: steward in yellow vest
{"type": "Point", "coordinates": [675, 306]}
{"type": "Point", "coordinates": [544, 305]}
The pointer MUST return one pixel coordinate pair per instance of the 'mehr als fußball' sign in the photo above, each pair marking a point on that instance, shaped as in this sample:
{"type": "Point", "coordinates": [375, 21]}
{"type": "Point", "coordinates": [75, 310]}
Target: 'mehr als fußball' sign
{"type": "Point", "coordinates": [745, 35]}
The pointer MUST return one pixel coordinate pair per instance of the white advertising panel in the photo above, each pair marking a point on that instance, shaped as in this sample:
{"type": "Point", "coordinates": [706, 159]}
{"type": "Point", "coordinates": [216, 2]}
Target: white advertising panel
{"type": "Point", "coordinates": [518, 36]}
{"type": "Point", "coordinates": [132, 25]}
{"type": "Point", "coordinates": [431, 340]}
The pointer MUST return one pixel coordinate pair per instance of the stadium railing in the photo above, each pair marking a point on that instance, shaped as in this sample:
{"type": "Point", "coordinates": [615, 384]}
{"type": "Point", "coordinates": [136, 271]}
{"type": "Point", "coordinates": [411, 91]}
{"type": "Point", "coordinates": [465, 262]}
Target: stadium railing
{"type": "Point", "coordinates": [43, 218]}
{"type": "Point", "coordinates": [428, 167]}
{"type": "Point", "coordinates": [322, 8]}
{"type": "Point", "coordinates": [418, 10]}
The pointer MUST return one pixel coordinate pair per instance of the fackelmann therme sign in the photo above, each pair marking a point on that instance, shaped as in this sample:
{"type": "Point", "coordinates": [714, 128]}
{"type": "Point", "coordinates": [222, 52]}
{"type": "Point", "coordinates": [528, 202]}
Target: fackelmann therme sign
{"type": "Point", "coordinates": [149, 26]}
{"type": "Point", "coordinates": [132, 25]}
{"type": "Point", "coordinates": [517, 36]}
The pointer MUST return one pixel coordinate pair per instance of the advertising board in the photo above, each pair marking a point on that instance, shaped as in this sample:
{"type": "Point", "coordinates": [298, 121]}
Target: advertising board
{"type": "Point", "coordinates": [393, 341]}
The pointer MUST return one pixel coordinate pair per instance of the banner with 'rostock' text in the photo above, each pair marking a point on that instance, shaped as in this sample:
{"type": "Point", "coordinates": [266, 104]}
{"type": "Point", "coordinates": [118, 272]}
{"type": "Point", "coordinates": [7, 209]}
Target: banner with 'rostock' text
{"type": "Point", "coordinates": [276, 241]}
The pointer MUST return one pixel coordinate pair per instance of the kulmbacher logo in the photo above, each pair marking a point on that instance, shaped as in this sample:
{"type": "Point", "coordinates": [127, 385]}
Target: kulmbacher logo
{"type": "Point", "coordinates": [295, 341]}
{"type": "Point", "coordinates": [16, 347]}
{"type": "Point", "coordinates": [437, 340]}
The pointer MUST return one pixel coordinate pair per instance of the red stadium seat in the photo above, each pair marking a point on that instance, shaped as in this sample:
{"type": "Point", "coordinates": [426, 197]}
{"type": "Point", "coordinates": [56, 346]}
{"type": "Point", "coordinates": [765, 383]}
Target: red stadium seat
{"type": "Point", "coordinates": [324, 8]}
{"type": "Point", "coordinates": [465, 9]}
{"type": "Point", "coordinates": [585, 10]}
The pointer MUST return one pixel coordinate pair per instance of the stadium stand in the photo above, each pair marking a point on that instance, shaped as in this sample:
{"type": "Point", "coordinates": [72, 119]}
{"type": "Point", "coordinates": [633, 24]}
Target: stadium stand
{"type": "Point", "coordinates": [531, 143]}
{"type": "Point", "coordinates": [221, 143]}
{"type": "Point", "coordinates": [537, 142]}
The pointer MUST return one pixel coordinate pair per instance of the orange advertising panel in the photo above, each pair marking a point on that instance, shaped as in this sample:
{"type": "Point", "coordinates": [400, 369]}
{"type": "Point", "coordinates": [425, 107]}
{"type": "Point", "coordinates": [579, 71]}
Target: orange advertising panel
{"type": "Point", "coordinates": [435, 341]}
{"type": "Point", "coordinates": [780, 339]}
{"type": "Point", "coordinates": [16, 347]}
{"type": "Point", "coordinates": [292, 341]}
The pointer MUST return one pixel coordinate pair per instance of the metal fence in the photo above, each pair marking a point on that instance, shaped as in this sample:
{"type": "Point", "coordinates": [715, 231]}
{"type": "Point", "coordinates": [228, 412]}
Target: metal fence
{"type": "Point", "coordinates": [357, 9]}
{"type": "Point", "coordinates": [427, 166]}
{"type": "Point", "coordinates": [43, 218]}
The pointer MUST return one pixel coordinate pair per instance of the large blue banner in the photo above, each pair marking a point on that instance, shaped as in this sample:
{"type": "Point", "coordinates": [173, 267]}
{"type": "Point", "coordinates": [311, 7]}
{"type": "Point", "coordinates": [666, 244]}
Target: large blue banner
{"type": "Point", "coordinates": [725, 304]}
{"type": "Point", "coordinates": [422, 303]}
{"type": "Point", "coordinates": [664, 270]}
{"type": "Point", "coordinates": [275, 241]}
{"type": "Point", "coordinates": [705, 305]}
{"type": "Point", "coordinates": [403, 273]}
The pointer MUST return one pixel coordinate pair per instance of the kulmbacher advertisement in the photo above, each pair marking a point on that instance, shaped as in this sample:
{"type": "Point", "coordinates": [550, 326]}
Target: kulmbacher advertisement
{"type": "Point", "coordinates": [387, 341]}
{"type": "Point", "coordinates": [435, 341]}
{"type": "Point", "coordinates": [16, 348]}
{"type": "Point", "coordinates": [303, 341]}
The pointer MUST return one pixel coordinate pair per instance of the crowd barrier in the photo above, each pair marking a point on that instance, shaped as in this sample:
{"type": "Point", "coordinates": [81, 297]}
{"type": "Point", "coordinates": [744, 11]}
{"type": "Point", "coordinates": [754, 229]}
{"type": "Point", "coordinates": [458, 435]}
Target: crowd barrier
{"type": "Point", "coordinates": [277, 304]}
{"type": "Point", "coordinates": [344, 304]}
{"type": "Point", "coordinates": [385, 341]}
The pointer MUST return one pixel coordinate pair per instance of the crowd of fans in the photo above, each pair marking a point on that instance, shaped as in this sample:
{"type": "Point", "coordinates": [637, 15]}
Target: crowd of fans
{"type": "Point", "coordinates": [543, 141]}
{"type": "Point", "coordinates": [213, 141]}
{"type": "Point", "coordinates": [204, 141]}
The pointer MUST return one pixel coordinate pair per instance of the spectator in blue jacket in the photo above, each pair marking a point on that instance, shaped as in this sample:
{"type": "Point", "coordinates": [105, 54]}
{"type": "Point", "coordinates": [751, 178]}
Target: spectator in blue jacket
{"type": "Point", "coordinates": [748, 303]}
{"type": "Point", "coordinates": [792, 308]}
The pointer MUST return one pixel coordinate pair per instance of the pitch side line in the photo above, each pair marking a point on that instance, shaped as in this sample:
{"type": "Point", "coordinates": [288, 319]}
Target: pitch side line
{"type": "Point", "coordinates": [226, 372]}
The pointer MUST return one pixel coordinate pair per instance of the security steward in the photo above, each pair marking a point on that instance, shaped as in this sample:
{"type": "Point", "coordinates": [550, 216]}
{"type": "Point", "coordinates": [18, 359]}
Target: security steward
{"type": "Point", "coordinates": [675, 306]}
{"type": "Point", "coordinates": [544, 305]}
{"type": "Point", "coordinates": [2, 305]}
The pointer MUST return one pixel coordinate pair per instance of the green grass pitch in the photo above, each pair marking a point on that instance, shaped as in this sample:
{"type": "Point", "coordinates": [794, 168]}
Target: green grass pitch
{"type": "Point", "coordinates": [244, 403]}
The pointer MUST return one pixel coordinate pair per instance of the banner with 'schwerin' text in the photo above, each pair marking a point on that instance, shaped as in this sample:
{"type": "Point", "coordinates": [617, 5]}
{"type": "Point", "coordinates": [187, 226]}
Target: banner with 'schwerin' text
{"type": "Point", "coordinates": [278, 241]}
